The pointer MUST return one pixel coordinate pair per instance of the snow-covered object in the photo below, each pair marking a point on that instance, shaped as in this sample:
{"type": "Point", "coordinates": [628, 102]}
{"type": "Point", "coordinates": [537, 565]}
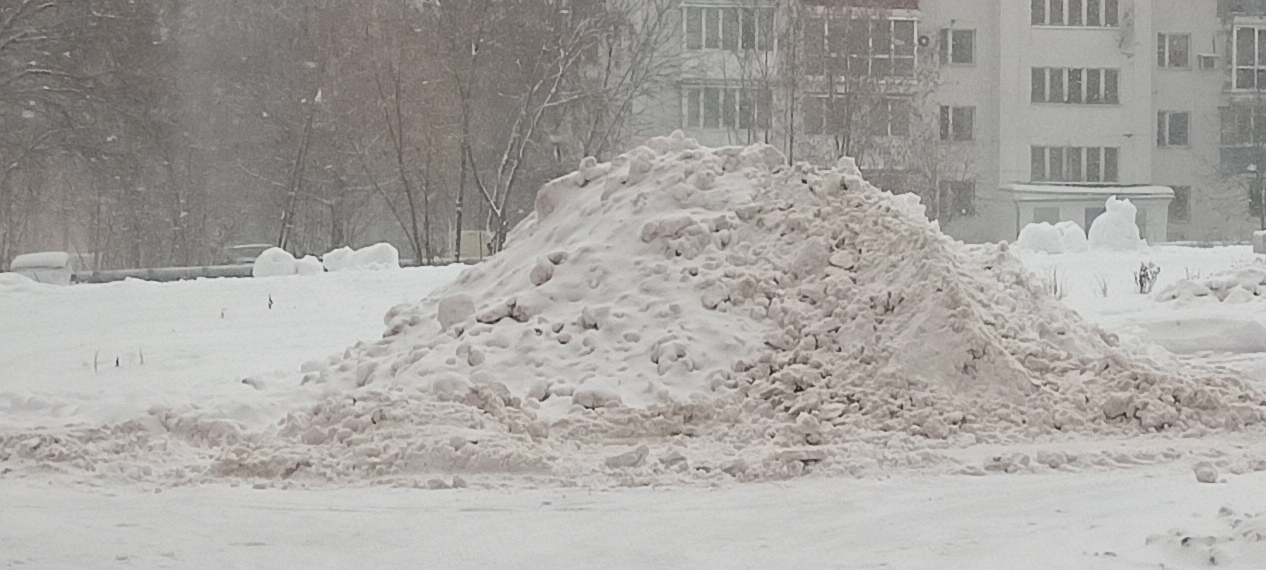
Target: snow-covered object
{"type": "Point", "coordinates": [1259, 242]}
{"type": "Point", "coordinates": [43, 260]}
{"type": "Point", "coordinates": [1238, 286]}
{"type": "Point", "coordinates": [13, 282]}
{"type": "Point", "coordinates": [1116, 228]}
{"type": "Point", "coordinates": [339, 259]}
{"type": "Point", "coordinates": [1073, 236]}
{"type": "Point", "coordinates": [377, 256]}
{"type": "Point", "coordinates": [309, 265]}
{"type": "Point", "coordinates": [1041, 238]}
{"type": "Point", "coordinates": [274, 262]}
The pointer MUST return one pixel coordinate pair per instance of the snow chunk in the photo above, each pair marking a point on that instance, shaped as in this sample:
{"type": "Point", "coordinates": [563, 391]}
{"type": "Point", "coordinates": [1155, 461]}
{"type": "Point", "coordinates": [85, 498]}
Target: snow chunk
{"type": "Point", "coordinates": [376, 257]}
{"type": "Point", "coordinates": [1115, 228]}
{"type": "Point", "coordinates": [274, 262]}
{"type": "Point", "coordinates": [1042, 238]}
{"type": "Point", "coordinates": [339, 259]}
{"type": "Point", "coordinates": [1073, 236]}
{"type": "Point", "coordinates": [309, 265]}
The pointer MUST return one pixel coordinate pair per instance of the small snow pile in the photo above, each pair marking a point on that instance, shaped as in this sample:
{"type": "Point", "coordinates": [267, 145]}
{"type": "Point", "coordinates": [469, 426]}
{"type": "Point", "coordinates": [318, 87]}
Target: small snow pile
{"type": "Point", "coordinates": [1064, 237]}
{"type": "Point", "coordinates": [374, 257]}
{"type": "Point", "coordinates": [338, 260]}
{"type": "Point", "coordinates": [1116, 228]}
{"type": "Point", "coordinates": [1240, 286]}
{"type": "Point", "coordinates": [1042, 238]}
{"type": "Point", "coordinates": [1073, 236]}
{"type": "Point", "coordinates": [309, 265]}
{"type": "Point", "coordinates": [274, 262]}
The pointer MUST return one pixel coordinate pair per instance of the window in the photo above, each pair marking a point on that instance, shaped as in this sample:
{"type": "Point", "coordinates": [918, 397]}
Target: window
{"type": "Point", "coordinates": [730, 28]}
{"type": "Point", "coordinates": [1048, 214]}
{"type": "Point", "coordinates": [958, 46]}
{"type": "Point", "coordinates": [861, 47]}
{"type": "Point", "coordinates": [958, 198]}
{"type": "Point", "coordinates": [1172, 128]}
{"type": "Point", "coordinates": [1208, 61]}
{"type": "Point", "coordinates": [1173, 50]}
{"type": "Point", "coordinates": [1077, 13]}
{"type": "Point", "coordinates": [726, 108]}
{"type": "Point", "coordinates": [898, 118]}
{"type": "Point", "coordinates": [1249, 58]}
{"type": "Point", "coordinates": [957, 123]}
{"type": "Point", "coordinates": [831, 115]}
{"type": "Point", "coordinates": [1243, 137]}
{"type": "Point", "coordinates": [1074, 164]}
{"type": "Point", "coordinates": [1180, 207]}
{"type": "Point", "coordinates": [1075, 86]}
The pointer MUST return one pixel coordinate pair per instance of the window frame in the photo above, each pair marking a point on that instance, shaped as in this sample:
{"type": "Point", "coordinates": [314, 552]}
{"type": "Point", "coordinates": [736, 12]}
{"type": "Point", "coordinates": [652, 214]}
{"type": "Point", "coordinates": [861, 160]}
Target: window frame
{"type": "Point", "coordinates": [950, 120]}
{"type": "Point", "coordinates": [1165, 129]}
{"type": "Point", "coordinates": [952, 204]}
{"type": "Point", "coordinates": [1080, 14]}
{"type": "Point", "coordinates": [737, 108]}
{"type": "Point", "coordinates": [1165, 44]}
{"type": "Point", "coordinates": [1096, 86]}
{"type": "Point", "coordinates": [948, 40]}
{"type": "Point", "coordinates": [728, 28]}
{"type": "Point", "coordinates": [1060, 163]}
{"type": "Point", "coordinates": [1256, 68]}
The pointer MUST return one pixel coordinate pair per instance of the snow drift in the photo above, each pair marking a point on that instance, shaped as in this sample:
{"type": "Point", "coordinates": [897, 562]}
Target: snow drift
{"type": "Point", "coordinates": [1116, 227]}
{"type": "Point", "coordinates": [736, 316]}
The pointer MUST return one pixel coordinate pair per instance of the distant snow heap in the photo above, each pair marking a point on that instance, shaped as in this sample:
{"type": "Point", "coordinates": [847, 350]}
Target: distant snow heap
{"type": "Point", "coordinates": [1116, 228]}
{"type": "Point", "coordinates": [1239, 286]}
{"type": "Point", "coordinates": [694, 312]}
{"type": "Point", "coordinates": [274, 262]}
{"type": "Point", "coordinates": [1064, 237]}
{"type": "Point", "coordinates": [374, 257]}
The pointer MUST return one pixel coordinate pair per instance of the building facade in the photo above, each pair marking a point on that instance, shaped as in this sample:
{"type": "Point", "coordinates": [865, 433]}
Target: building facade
{"type": "Point", "coordinates": [956, 99]}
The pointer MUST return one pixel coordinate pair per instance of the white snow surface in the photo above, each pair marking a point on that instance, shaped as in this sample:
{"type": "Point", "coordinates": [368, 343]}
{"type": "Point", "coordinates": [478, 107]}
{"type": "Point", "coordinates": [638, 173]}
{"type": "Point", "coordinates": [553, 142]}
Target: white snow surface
{"type": "Point", "coordinates": [274, 262]}
{"type": "Point", "coordinates": [309, 265]}
{"type": "Point", "coordinates": [376, 257]}
{"type": "Point", "coordinates": [1073, 236]}
{"type": "Point", "coordinates": [1116, 228]}
{"type": "Point", "coordinates": [339, 259]}
{"type": "Point", "coordinates": [690, 314]}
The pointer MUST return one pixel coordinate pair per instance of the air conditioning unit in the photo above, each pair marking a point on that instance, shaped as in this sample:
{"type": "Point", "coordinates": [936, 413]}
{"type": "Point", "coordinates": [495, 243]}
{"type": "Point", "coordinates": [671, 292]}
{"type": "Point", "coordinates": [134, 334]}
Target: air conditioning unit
{"type": "Point", "coordinates": [1208, 60]}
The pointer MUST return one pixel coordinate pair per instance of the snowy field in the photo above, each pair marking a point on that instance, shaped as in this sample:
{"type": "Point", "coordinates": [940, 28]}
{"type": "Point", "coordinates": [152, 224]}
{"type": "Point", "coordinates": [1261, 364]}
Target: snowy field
{"type": "Point", "coordinates": [686, 358]}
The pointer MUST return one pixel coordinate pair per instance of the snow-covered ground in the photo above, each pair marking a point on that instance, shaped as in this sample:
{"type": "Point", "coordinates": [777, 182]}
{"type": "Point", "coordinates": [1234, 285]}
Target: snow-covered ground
{"type": "Point", "coordinates": [202, 339]}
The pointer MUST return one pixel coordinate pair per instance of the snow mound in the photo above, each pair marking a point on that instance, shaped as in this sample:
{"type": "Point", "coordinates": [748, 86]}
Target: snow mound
{"type": "Point", "coordinates": [374, 257]}
{"type": "Point", "coordinates": [1116, 228]}
{"type": "Point", "coordinates": [338, 260]}
{"type": "Point", "coordinates": [739, 317]}
{"type": "Point", "coordinates": [309, 265]}
{"type": "Point", "coordinates": [274, 262]}
{"type": "Point", "coordinates": [1041, 238]}
{"type": "Point", "coordinates": [1073, 236]}
{"type": "Point", "coordinates": [1238, 286]}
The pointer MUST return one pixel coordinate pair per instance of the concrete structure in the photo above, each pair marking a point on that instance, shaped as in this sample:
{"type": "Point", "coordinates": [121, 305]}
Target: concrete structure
{"type": "Point", "coordinates": [1102, 92]}
{"type": "Point", "coordinates": [1034, 203]}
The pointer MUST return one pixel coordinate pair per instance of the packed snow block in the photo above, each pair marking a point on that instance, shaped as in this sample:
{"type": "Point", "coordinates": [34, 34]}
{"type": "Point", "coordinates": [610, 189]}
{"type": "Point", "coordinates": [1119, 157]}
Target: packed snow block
{"type": "Point", "coordinates": [1042, 238]}
{"type": "Point", "coordinates": [309, 265]}
{"type": "Point", "coordinates": [50, 267]}
{"type": "Point", "coordinates": [1073, 236]}
{"type": "Point", "coordinates": [274, 262]}
{"type": "Point", "coordinates": [338, 260]}
{"type": "Point", "coordinates": [1259, 242]}
{"type": "Point", "coordinates": [1116, 228]}
{"type": "Point", "coordinates": [377, 256]}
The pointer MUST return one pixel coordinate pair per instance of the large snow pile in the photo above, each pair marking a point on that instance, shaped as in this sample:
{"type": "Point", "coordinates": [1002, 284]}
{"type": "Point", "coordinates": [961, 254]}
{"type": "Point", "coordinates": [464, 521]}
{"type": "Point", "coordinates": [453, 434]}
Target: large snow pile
{"type": "Point", "coordinates": [1239, 286]}
{"type": "Point", "coordinates": [274, 262]}
{"type": "Point", "coordinates": [1116, 228]}
{"type": "Point", "coordinates": [708, 313]}
{"type": "Point", "coordinates": [1073, 236]}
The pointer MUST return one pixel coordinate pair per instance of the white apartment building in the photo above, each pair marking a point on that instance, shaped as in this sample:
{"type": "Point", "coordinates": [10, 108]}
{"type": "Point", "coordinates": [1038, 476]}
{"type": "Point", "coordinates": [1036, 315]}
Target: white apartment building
{"type": "Point", "coordinates": [959, 99]}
